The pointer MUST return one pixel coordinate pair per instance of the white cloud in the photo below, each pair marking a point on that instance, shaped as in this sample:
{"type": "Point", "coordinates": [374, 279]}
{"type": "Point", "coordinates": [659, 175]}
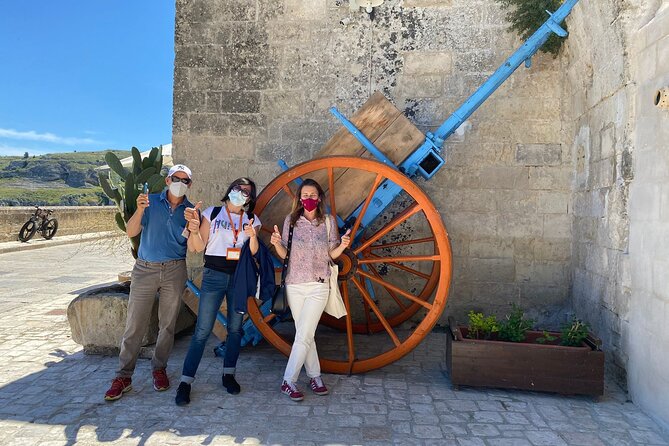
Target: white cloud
{"type": "Point", "coordinates": [32, 135]}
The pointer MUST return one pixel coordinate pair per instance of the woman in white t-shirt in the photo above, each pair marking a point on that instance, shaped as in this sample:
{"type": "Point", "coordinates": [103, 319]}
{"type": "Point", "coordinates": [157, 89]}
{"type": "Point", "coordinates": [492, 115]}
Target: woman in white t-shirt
{"type": "Point", "coordinates": [222, 230]}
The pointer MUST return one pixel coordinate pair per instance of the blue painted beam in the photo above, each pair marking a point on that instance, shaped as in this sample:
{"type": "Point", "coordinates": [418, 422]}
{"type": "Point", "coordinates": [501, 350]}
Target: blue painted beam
{"type": "Point", "coordinates": [522, 54]}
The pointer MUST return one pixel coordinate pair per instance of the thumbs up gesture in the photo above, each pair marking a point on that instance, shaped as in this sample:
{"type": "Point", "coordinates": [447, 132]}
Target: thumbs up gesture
{"type": "Point", "coordinates": [193, 213]}
{"type": "Point", "coordinates": [276, 236]}
{"type": "Point", "coordinates": [249, 229]}
{"type": "Point", "coordinates": [346, 239]}
{"type": "Point", "coordinates": [192, 216]}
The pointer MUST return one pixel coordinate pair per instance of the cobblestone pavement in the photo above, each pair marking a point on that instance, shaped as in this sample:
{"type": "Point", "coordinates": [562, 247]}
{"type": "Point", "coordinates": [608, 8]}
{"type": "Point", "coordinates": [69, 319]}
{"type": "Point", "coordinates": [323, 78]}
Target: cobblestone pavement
{"type": "Point", "coordinates": [52, 394]}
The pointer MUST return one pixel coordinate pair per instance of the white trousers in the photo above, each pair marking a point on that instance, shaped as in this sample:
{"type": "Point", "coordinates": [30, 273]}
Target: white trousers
{"type": "Point", "coordinates": [307, 302]}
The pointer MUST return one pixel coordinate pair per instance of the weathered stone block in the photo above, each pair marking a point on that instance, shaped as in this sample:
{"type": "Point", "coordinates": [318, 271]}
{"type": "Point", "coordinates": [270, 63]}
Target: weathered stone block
{"type": "Point", "coordinates": [557, 249]}
{"type": "Point", "coordinates": [427, 3]}
{"type": "Point", "coordinates": [557, 225]}
{"type": "Point", "coordinates": [208, 124]}
{"type": "Point", "coordinates": [97, 319]}
{"type": "Point", "coordinates": [553, 202]}
{"type": "Point", "coordinates": [545, 273]}
{"type": "Point", "coordinates": [505, 177]}
{"type": "Point", "coordinates": [282, 104]}
{"type": "Point", "coordinates": [551, 178]}
{"type": "Point", "coordinates": [421, 86]}
{"type": "Point", "coordinates": [520, 225]}
{"type": "Point", "coordinates": [492, 270]}
{"type": "Point", "coordinates": [240, 102]}
{"type": "Point", "coordinates": [426, 62]}
{"type": "Point", "coordinates": [470, 200]}
{"type": "Point", "coordinates": [247, 124]}
{"type": "Point", "coordinates": [539, 154]}
{"type": "Point", "coordinates": [491, 248]}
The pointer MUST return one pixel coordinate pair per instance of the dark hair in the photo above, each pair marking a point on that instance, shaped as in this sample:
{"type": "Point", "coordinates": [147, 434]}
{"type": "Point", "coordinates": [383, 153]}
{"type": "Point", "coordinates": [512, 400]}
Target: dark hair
{"type": "Point", "coordinates": [243, 181]}
{"type": "Point", "coordinates": [298, 208]}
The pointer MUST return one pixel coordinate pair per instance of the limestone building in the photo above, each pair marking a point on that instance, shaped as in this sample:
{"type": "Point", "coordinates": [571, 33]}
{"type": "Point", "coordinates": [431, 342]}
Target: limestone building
{"type": "Point", "coordinates": [555, 192]}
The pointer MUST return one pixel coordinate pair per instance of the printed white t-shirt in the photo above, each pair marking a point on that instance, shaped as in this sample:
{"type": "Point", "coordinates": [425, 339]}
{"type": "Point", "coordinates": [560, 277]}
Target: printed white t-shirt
{"type": "Point", "coordinates": [221, 235]}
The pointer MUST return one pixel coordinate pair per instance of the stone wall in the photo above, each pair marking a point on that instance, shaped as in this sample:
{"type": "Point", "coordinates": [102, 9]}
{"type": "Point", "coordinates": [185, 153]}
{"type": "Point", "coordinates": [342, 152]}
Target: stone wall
{"type": "Point", "coordinates": [648, 336]}
{"type": "Point", "coordinates": [254, 80]}
{"type": "Point", "coordinates": [597, 116]}
{"type": "Point", "coordinates": [71, 220]}
{"type": "Point", "coordinates": [616, 58]}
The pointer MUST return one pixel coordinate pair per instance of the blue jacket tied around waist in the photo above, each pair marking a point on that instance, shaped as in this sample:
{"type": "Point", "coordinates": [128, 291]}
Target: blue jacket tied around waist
{"type": "Point", "coordinates": [244, 281]}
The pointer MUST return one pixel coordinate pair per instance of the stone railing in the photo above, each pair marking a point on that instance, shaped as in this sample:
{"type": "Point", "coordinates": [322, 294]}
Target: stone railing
{"type": "Point", "coordinates": [71, 219]}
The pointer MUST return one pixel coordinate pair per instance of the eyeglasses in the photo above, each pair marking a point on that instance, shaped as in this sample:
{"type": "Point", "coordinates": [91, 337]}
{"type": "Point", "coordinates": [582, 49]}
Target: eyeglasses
{"type": "Point", "coordinates": [176, 179]}
{"type": "Point", "coordinates": [245, 193]}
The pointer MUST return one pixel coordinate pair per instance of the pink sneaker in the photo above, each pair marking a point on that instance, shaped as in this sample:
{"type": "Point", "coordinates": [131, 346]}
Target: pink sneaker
{"type": "Point", "coordinates": [318, 387]}
{"type": "Point", "coordinates": [292, 391]}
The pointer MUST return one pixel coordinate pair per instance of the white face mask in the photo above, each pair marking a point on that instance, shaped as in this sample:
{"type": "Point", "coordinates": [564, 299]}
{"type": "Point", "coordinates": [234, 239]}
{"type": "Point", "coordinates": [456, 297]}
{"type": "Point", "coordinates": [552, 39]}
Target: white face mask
{"type": "Point", "coordinates": [178, 189]}
{"type": "Point", "coordinates": [236, 198]}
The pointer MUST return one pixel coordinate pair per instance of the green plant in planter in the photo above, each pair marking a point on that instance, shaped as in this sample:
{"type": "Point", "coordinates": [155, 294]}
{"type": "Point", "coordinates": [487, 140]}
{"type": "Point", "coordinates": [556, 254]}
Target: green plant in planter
{"type": "Point", "coordinates": [574, 333]}
{"type": "Point", "coordinates": [528, 15]}
{"type": "Point", "coordinates": [547, 337]}
{"type": "Point", "coordinates": [480, 326]}
{"type": "Point", "coordinates": [126, 185]}
{"type": "Point", "coordinates": [515, 328]}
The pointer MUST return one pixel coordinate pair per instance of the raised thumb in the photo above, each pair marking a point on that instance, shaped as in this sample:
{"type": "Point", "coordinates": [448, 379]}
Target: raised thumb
{"type": "Point", "coordinates": [198, 205]}
{"type": "Point", "coordinates": [276, 228]}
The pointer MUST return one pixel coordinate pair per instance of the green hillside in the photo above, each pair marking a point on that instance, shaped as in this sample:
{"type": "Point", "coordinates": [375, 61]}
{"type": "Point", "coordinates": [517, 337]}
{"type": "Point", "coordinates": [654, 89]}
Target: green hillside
{"type": "Point", "coordinates": [53, 179]}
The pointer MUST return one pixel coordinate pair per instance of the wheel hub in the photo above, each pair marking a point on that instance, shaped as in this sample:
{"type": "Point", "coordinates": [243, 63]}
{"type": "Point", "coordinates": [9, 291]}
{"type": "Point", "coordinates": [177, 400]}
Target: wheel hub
{"type": "Point", "coordinates": [348, 264]}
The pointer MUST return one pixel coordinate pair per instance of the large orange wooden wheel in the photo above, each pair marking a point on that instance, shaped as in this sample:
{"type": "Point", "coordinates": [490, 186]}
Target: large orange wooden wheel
{"type": "Point", "coordinates": [399, 268]}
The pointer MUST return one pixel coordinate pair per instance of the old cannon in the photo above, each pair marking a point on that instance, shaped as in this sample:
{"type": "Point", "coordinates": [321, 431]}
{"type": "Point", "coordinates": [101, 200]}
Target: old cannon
{"type": "Point", "coordinates": [398, 266]}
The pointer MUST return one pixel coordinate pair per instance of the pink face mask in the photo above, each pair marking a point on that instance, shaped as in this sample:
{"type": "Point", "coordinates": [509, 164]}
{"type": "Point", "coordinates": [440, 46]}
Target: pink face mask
{"type": "Point", "coordinates": [309, 204]}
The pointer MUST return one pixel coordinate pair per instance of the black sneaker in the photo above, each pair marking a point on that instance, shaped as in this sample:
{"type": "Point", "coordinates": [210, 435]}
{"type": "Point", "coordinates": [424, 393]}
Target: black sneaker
{"type": "Point", "coordinates": [183, 394]}
{"type": "Point", "coordinates": [230, 384]}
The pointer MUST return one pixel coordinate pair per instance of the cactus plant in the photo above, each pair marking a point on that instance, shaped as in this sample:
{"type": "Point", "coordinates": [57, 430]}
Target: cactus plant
{"type": "Point", "coordinates": [128, 186]}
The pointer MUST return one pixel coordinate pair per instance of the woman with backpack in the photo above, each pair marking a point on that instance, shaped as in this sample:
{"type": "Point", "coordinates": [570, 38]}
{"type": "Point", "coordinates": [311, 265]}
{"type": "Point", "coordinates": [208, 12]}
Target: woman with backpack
{"type": "Point", "coordinates": [222, 230]}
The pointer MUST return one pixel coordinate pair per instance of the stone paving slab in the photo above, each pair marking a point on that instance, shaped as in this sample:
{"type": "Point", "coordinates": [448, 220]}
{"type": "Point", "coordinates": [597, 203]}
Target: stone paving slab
{"type": "Point", "coordinates": [52, 394]}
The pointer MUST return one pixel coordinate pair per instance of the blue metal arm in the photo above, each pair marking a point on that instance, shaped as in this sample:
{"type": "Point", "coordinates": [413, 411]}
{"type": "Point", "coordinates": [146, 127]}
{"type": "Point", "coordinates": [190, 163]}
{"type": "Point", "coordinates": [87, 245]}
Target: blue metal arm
{"type": "Point", "coordinates": [522, 54]}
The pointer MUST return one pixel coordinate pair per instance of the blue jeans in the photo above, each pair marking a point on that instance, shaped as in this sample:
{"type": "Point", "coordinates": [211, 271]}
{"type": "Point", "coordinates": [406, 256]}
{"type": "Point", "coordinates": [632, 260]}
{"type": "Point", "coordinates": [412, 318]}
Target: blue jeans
{"type": "Point", "coordinates": [215, 286]}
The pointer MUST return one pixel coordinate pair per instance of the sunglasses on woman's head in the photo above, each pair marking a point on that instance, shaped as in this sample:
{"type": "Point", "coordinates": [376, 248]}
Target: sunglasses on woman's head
{"type": "Point", "coordinates": [176, 179]}
{"type": "Point", "coordinates": [245, 193]}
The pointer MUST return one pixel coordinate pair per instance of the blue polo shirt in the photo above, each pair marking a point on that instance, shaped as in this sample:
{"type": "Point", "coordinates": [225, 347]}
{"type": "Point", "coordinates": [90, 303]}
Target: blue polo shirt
{"type": "Point", "coordinates": [161, 238]}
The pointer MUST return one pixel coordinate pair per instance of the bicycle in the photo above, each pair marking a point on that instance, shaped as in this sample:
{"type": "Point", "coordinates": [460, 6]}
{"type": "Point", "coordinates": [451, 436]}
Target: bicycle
{"type": "Point", "coordinates": [39, 221]}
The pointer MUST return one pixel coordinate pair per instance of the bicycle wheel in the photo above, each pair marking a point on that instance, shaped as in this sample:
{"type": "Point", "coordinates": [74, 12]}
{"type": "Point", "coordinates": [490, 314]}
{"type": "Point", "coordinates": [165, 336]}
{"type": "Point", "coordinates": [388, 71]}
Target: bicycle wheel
{"type": "Point", "coordinates": [27, 230]}
{"type": "Point", "coordinates": [49, 229]}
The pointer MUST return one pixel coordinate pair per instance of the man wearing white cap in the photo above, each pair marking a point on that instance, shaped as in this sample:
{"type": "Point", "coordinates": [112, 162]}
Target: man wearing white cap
{"type": "Point", "coordinates": [160, 265]}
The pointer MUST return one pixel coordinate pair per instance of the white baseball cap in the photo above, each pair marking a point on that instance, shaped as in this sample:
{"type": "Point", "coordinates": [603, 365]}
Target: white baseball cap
{"type": "Point", "coordinates": [180, 168]}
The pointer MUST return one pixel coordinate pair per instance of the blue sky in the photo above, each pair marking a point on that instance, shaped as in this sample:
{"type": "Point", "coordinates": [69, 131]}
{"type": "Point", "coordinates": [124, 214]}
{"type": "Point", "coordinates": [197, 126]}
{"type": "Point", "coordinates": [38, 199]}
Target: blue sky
{"type": "Point", "coordinates": [85, 75]}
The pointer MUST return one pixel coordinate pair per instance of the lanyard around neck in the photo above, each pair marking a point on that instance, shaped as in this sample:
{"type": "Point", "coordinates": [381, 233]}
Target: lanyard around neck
{"type": "Point", "coordinates": [235, 231]}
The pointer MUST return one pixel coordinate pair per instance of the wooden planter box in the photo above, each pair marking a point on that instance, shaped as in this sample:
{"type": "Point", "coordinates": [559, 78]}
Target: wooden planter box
{"type": "Point", "coordinates": [525, 365]}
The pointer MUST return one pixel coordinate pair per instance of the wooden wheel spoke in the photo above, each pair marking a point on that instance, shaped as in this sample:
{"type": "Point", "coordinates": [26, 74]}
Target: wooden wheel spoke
{"type": "Point", "coordinates": [372, 191]}
{"type": "Point", "coordinates": [393, 259]}
{"type": "Point", "coordinates": [289, 191]}
{"type": "Point", "coordinates": [331, 191]}
{"type": "Point", "coordinates": [392, 224]}
{"type": "Point", "coordinates": [402, 267]}
{"type": "Point", "coordinates": [404, 243]}
{"type": "Point", "coordinates": [375, 309]}
{"type": "Point", "coordinates": [390, 292]}
{"type": "Point", "coordinates": [396, 289]}
{"type": "Point", "coordinates": [268, 318]}
{"type": "Point", "coordinates": [349, 326]}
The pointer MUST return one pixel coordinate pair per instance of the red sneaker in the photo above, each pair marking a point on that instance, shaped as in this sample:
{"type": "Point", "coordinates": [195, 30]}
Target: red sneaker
{"type": "Point", "coordinates": [160, 380]}
{"type": "Point", "coordinates": [292, 391]}
{"type": "Point", "coordinates": [118, 388]}
{"type": "Point", "coordinates": [318, 387]}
